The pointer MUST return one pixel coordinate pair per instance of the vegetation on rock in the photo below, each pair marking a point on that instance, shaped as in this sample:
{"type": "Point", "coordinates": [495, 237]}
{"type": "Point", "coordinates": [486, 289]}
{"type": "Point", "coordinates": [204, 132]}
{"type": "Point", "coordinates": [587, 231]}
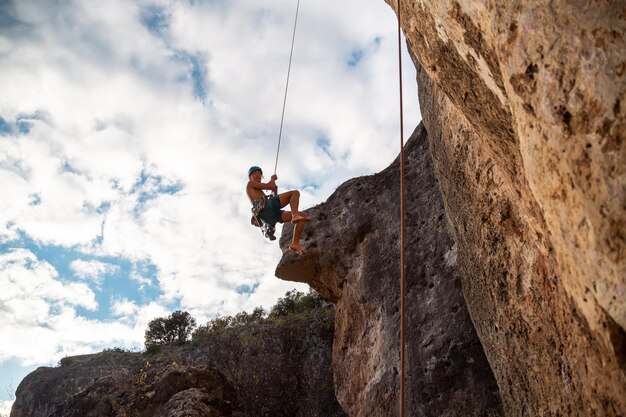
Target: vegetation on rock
{"type": "Point", "coordinates": [246, 365]}
{"type": "Point", "coordinates": [173, 329]}
{"type": "Point", "coordinates": [293, 304]}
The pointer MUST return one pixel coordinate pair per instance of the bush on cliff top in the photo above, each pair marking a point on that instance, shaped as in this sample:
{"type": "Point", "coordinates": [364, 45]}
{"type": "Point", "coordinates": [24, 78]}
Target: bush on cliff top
{"type": "Point", "coordinates": [177, 327]}
{"type": "Point", "coordinates": [294, 303]}
{"type": "Point", "coordinates": [173, 329]}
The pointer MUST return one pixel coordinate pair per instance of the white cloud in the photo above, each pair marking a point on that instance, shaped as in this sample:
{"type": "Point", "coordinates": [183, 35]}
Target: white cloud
{"type": "Point", "coordinates": [35, 305]}
{"type": "Point", "coordinates": [137, 316]}
{"type": "Point", "coordinates": [93, 270]}
{"type": "Point", "coordinates": [5, 408]}
{"type": "Point", "coordinates": [26, 282]}
{"type": "Point", "coordinates": [123, 308]}
{"type": "Point", "coordinates": [138, 277]}
{"type": "Point", "coordinates": [32, 302]}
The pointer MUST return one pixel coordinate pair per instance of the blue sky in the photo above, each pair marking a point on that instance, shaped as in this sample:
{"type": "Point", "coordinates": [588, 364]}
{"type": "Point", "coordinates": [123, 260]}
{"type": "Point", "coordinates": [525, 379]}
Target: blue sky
{"type": "Point", "coordinates": [126, 130]}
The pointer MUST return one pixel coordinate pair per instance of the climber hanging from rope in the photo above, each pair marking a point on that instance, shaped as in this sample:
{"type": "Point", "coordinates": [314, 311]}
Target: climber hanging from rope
{"type": "Point", "coordinates": [266, 209]}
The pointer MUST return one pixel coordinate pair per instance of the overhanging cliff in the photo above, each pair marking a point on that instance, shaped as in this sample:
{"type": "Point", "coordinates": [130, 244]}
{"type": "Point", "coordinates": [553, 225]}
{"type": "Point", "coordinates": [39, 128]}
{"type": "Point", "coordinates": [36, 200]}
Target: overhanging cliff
{"type": "Point", "coordinates": [523, 104]}
{"type": "Point", "coordinates": [354, 258]}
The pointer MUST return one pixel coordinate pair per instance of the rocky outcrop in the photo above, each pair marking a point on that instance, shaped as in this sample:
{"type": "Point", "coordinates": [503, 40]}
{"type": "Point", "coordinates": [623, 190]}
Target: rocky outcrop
{"type": "Point", "coordinates": [354, 258]}
{"type": "Point", "coordinates": [45, 388]}
{"type": "Point", "coordinates": [124, 384]}
{"type": "Point", "coordinates": [271, 368]}
{"type": "Point", "coordinates": [523, 103]}
{"type": "Point", "coordinates": [170, 391]}
{"type": "Point", "coordinates": [280, 368]}
{"type": "Point", "coordinates": [547, 358]}
{"type": "Point", "coordinates": [524, 107]}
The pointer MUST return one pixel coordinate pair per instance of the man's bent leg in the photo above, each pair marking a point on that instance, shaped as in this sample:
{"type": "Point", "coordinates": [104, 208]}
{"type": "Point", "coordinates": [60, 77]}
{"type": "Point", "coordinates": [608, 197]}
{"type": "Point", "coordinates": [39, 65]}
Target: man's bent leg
{"type": "Point", "coordinates": [293, 199]}
{"type": "Point", "coordinates": [290, 197]}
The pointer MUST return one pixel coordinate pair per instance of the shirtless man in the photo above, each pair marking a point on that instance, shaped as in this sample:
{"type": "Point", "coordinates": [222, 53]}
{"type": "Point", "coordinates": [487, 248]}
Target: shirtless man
{"type": "Point", "coordinates": [272, 212]}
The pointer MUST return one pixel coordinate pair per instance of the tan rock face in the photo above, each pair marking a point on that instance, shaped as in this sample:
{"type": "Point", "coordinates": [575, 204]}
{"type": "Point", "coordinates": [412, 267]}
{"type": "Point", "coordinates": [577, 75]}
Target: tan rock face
{"type": "Point", "coordinates": [354, 258]}
{"type": "Point", "coordinates": [524, 106]}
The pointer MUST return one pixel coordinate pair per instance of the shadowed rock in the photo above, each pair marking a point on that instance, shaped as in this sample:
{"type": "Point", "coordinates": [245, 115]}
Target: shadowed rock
{"type": "Point", "coordinates": [354, 256]}
{"type": "Point", "coordinates": [173, 391]}
{"type": "Point", "coordinates": [271, 368]}
{"type": "Point", "coordinates": [523, 103]}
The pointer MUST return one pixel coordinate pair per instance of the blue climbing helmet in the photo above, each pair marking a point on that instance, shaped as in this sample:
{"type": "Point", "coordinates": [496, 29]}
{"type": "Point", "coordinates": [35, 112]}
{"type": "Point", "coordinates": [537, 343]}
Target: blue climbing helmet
{"type": "Point", "coordinates": [253, 169]}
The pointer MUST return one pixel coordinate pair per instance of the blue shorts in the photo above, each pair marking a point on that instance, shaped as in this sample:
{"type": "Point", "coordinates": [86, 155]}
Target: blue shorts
{"type": "Point", "coordinates": [272, 212]}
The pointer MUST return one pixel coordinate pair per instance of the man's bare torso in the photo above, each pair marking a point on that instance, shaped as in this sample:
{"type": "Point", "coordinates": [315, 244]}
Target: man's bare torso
{"type": "Point", "coordinates": [254, 191]}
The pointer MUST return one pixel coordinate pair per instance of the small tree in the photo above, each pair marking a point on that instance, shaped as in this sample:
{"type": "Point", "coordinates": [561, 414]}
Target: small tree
{"type": "Point", "coordinates": [173, 329]}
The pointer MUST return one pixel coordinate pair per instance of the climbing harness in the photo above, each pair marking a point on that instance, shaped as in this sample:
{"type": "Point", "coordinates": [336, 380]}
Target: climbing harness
{"type": "Point", "coordinates": [282, 117]}
{"type": "Point", "coordinates": [266, 229]}
{"type": "Point", "coordinates": [258, 205]}
{"type": "Point", "coordinates": [402, 231]}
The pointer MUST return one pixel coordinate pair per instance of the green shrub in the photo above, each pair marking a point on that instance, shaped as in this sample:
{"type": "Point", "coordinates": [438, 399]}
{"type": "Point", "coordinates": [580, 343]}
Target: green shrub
{"type": "Point", "coordinates": [174, 329]}
{"type": "Point", "coordinates": [292, 304]}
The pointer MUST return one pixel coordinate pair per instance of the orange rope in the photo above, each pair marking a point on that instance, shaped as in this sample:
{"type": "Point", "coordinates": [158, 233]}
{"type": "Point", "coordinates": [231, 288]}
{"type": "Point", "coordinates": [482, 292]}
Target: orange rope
{"type": "Point", "coordinates": [402, 232]}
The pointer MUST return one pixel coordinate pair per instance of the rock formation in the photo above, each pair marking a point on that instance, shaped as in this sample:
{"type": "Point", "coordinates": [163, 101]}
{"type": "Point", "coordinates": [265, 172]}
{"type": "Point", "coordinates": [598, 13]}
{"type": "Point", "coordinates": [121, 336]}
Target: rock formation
{"type": "Point", "coordinates": [265, 369]}
{"type": "Point", "coordinates": [524, 107]}
{"type": "Point", "coordinates": [46, 388]}
{"type": "Point", "coordinates": [522, 103]}
{"type": "Point", "coordinates": [354, 260]}
{"type": "Point", "coordinates": [279, 369]}
{"type": "Point", "coordinates": [159, 391]}
{"type": "Point", "coordinates": [124, 384]}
